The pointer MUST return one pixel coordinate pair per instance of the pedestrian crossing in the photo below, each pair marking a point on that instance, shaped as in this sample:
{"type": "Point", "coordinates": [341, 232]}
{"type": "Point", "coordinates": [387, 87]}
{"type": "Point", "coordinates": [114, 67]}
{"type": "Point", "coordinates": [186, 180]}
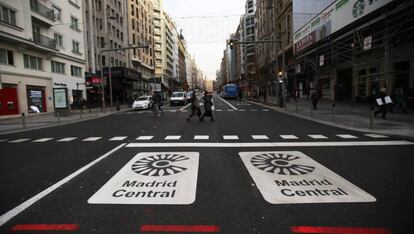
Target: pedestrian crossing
{"type": "Point", "coordinates": [186, 111]}
{"type": "Point", "coordinates": [252, 137]}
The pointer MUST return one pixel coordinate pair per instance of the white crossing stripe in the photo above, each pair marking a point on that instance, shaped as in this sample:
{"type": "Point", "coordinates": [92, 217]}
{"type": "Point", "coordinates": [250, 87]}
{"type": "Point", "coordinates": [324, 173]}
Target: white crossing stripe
{"type": "Point", "coordinates": [43, 140]}
{"type": "Point", "coordinates": [219, 110]}
{"type": "Point", "coordinates": [67, 139]}
{"type": "Point", "coordinates": [289, 137]}
{"type": "Point", "coordinates": [92, 139]}
{"type": "Point", "coordinates": [260, 137]}
{"type": "Point", "coordinates": [145, 138]}
{"type": "Point", "coordinates": [201, 137]}
{"type": "Point", "coordinates": [242, 110]}
{"type": "Point", "coordinates": [3, 140]}
{"type": "Point", "coordinates": [230, 137]}
{"type": "Point", "coordinates": [118, 138]}
{"type": "Point", "coordinates": [19, 140]}
{"type": "Point", "coordinates": [346, 136]}
{"type": "Point", "coordinates": [318, 136]}
{"type": "Point", "coordinates": [265, 110]}
{"type": "Point", "coordinates": [172, 110]}
{"type": "Point", "coordinates": [375, 136]}
{"type": "Point", "coordinates": [230, 110]}
{"type": "Point", "coordinates": [174, 137]}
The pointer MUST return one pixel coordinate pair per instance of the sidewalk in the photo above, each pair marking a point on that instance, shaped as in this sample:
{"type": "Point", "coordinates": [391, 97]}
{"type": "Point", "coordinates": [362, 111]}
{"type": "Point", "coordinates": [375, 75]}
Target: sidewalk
{"type": "Point", "coordinates": [350, 117]}
{"type": "Point", "coordinates": [15, 124]}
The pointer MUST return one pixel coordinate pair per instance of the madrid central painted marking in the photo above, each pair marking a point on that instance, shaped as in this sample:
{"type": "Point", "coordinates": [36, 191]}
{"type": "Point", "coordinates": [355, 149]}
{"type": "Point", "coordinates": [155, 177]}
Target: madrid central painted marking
{"type": "Point", "coordinates": [153, 178]}
{"type": "Point", "coordinates": [285, 177]}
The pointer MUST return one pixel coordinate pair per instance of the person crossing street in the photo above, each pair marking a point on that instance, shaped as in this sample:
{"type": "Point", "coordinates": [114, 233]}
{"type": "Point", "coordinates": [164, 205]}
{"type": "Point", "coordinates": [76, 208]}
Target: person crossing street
{"type": "Point", "coordinates": [208, 104]}
{"type": "Point", "coordinates": [195, 107]}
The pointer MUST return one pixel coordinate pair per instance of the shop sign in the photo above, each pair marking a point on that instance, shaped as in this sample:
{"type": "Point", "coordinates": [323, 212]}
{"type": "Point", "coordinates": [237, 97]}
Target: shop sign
{"type": "Point", "coordinates": [290, 177]}
{"type": "Point", "coordinates": [153, 178]}
{"type": "Point", "coordinates": [305, 42]}
{"type": "Point", "coordinates": [367, 43]}
{"type": "Point", "coordinates": [60, 98]}
{"type": "Point", "coordinates": [321, 60]}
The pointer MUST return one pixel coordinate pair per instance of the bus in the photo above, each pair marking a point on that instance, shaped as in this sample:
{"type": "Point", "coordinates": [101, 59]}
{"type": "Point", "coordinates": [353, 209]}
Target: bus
{"type": "Point", "coordinates": [230, 91]}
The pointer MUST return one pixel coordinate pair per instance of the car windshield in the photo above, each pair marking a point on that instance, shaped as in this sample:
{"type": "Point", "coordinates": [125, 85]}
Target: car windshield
{"type": "Point", "coordinates": [142, 99]}
{"type": "Point", "coordinates": [178, 95]}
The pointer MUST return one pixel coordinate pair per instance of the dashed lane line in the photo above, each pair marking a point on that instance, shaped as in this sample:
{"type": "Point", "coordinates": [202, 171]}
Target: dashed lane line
{"type": "Point", "coordinates": [67, 139]}
{"type": "Point", "coordinates": [118, 138]}
{"type": "Point", "coordinates": [41, 140]}
{"type": "Point", "coordinates": [260, 137]}
{"type": "Point", "coordinates": [174, 137]}
{"type": "Point", "coordinates": [346, 136]}
{"type": "Point", "coordinates": [375, 136]}
{"type": "Point", "coordinates": [19, 140]}
{"type": "Point", "coordinates": [289, 137]}
{"type": "Point", "coordinates": [92, 139]}
{"type": "Point", "coordinates": [230, 137]}
{"type": "Point", "coordinates": [145, 138]}
{"type": "Point", "coordinates": [201, 137]}
{"type": "Point", "coordinates": [20, 208]}
{"type": "Point", "coordinates": [315, 136]}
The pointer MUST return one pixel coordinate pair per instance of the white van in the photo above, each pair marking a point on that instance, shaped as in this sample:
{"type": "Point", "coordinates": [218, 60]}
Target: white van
{"type": "Point", "coordinates": [178, 98]}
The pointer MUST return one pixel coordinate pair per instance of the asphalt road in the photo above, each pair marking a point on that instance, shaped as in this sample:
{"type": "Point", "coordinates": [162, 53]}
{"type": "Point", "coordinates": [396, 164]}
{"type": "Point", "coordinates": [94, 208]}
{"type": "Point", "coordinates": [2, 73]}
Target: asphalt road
{"type": "Point", "coordinates": [215, 191]}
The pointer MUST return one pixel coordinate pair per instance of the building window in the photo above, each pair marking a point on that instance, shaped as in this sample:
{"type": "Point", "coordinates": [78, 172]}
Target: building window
{"type": "Point", "coordinates": [58, 67]}
{"type": "Point", "coordinates": [7, 15]}
{"type": "Point", "coordinates": [32, 62]}
{"type": "Point", "coordinates": [57, 13]}
{"type": "Point", "coordinates": [6, 57]}
{"type": "Point", "coordinates": [75, 47]}
{"type": "Point", "coordinates": [102, 42]}
{"type": "Point", "coordinates": [103, 60]}
{"type": "Point", "coordinates": [58, 40]}
{"type": "Point", "coordinates": [74, 23]}
{"type": "Point", "coordinates": [76, 71]}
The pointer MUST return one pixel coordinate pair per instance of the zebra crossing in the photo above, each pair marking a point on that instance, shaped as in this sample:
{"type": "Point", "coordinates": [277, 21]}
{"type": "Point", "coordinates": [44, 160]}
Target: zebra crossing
{"type": "Point", "coordinates": [253, 137]}
{"type": "Point", "coordinates": [186, 111]}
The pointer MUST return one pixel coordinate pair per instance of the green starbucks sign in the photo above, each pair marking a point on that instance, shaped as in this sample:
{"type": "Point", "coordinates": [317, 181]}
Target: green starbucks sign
{"type": "Point", "coordinates": [358, 8]}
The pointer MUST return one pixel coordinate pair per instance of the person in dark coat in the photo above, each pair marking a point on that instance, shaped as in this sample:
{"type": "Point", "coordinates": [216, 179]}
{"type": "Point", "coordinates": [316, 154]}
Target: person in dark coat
{"type": "Point", "coordinates": [315, 99]}
{"type": "Point", "coordinates": [195, 107]}
{"type": "Point", "coordinates": [382, 105]}
{"type": "Point", "coordinates": [208, 103]}
{"type": "Point", "coordinates": [156, 100]}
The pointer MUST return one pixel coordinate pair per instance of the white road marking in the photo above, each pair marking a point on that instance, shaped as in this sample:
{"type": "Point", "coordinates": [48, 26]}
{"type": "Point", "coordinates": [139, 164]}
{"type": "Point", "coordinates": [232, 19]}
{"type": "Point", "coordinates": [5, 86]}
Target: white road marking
{"type": "Point", "coordinates": [228, 103]}
{"type": "Point", "coordinates": [201, 137]}
{"type": "Point", "coordinates": [92, 139]}
{"type": "Point", "coordinates": [174, 137]}
{"type": "Point", "coordinates": [219, 110]}
{"type": "Point", "coordinates": [375, 136]}
{"type": "Point", "coordinates": [19, 140]}
{"type": "Point", "coordinates": [20, 208]}
{"type": "Point", "coordinates": [318, 136]}
{"type": "Point", "coordinates": [43, 139]}
{"type": "Point", "coordinates": [230, 137]}
{"type": "Point", "coordinates": [289, 137]}
{"type": "Point", "coordinates": [242, 110]}
{"type": "Point", "coordinates": [67, 139]}
{"type": "Point", "coordinates": [145, 138]}
{"type": "Point", "coordinates": [269, 144]}
{"type": "Point", "coordinates": [184, 110]}
{"type": "Point", "coordinates": [346, 136]}
{"type": "Point", "coordinates": [185, 107]}
{"type": "Point", "coordinates": [291, 177]}
{"type": "Point", "coordinates": [118, 138]}
{"type": "Point", "coordinates": [172, 110]}
{"type": "Point", "coordinates": [260, 137]}
{"type": "Point", "coordinates": [230, 110]}
{"type": "Point", "coordinates": [265, 110]}
{"type": "Point", "coordinates": [3, 140]}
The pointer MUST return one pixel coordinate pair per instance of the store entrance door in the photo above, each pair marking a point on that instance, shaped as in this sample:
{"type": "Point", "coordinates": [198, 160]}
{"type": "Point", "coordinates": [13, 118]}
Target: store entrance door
{"type": "Point", "coordinates": [8, 101]}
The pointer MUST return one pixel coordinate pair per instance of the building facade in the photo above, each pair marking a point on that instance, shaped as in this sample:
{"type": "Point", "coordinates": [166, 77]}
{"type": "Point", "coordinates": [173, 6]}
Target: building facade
{"type": "Point", "coordinates": [41, 51]}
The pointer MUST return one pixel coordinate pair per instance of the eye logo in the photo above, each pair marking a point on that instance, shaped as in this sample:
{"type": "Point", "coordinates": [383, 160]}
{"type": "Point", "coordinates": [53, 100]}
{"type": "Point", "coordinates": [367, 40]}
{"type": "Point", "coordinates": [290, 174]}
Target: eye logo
{"type": "Point", "coordinates": [159, 165]}
{"type": "Point", "coordinates": [281, 164]}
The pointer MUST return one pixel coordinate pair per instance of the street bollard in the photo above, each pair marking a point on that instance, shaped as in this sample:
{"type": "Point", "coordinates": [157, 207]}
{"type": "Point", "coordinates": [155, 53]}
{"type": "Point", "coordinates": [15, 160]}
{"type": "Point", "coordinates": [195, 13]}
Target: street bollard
{"type": "Point", "coordinates": [23, 120]}
{"type": "Point", "coordinates": [58, 116]}
{"type": "Point", "coordinates": [333, 112]}
{"type": "Point", "coordinates": [371, 121]}
{"type": "Point", "coordinates": [296, 106]}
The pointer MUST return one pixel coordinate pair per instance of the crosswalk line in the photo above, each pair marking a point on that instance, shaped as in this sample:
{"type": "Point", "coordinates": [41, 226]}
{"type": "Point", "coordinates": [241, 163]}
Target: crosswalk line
{"type": "Point", "coordinates": [92, 139]}
{"type": "Point", "coordinates": [219, 110]}
{"type": "Point", "coordinates": [289, 137]}
{"type": "Point", "coordinates": [230, 137]}
{"type": "Point", "coordinates": [346, 136]}
{"type": "Point", "coordinates": [67, 139]}
{"type": "Point", "coordinates": [201, 137]}
{"type": "Point", "coordinates": [172, 110]}
{"type": "Point", "coordinates": [145, 138]}
{"type": "Point", "coordinates": [43, 140]}
{"type": "Point", "coordinates": [375, 136]}
{"type": "Point", "coordinates": [3, 140]}
{"type": "Point", "coordinates": [118, 138]}
{"type": "Point", "coordinates": [19, 140]}
{"type": "Point", "coordinates": [173, 137]}
{"type": "Point", "coordinates": [265, 110]}
{"type": "Point", "coordinates": [317, 136]}
{"type": "Point", "coordinates": [230, 110]}
{"type": "Point", "coordinates": [260, 137]}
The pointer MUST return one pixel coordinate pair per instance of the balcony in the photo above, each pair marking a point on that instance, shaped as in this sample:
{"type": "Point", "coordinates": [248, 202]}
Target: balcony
{"type": "Point", "coordinates": [44, 11]}
{"type": "Point", "coordinates": [44, 41]}
{"type": "Point", "coordinates": [135, 59]}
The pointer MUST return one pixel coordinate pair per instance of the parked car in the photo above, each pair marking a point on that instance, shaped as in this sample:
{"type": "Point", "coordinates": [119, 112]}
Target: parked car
{"type": "Point", "coordinates": [143, 102]}
{"type": "Point", "coordinates": [178, 98]}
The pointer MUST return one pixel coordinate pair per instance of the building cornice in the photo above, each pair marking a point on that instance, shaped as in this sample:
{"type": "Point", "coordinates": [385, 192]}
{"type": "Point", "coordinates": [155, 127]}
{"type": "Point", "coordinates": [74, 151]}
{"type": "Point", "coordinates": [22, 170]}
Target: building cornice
{"type": "Point", "coordinates": [25, 75]}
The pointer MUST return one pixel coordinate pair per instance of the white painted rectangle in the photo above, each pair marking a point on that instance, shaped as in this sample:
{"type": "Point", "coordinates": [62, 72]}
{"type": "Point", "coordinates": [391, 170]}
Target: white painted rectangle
{"type": "Point", "coordinates": [153, 178]}
{"type": "Point", "coordinates": [289, 137]}
{"type": "Point", "coordinates": [201, 137]}
{"type": "Point", "coordinates": [174, 137]}
{"type": "Point", "coordinates": [377, 136]}
{"type": "Point", "coordinates": [145, 138]}
{"type": "Point", "coordinates": [118, 138]}
{"type": "Point", "coordinates": [288, 177]}
{"type": "Point", "coordinates": [67, 139]}
{"type": "Point", "coordinates": [318, 136]}
{"type": "Point", "coordinates": [346, 136]}
{"type": "Point", "coordinates": [260, 137]}
{"type": "Point", "coordinates": [92, 139]}
{"type": "Point", "coordinates": [230, 137]}
{"type": "Point", "coordinates": [219, 110]}
{"type": "Point", "coordinates": [3, 140]}
{"type": "Point", "coordinates": [19, 140]}
{"type": "Point", "coordinates": [43, 140]}
{"type": "Point", "coordinates": [265, 110]}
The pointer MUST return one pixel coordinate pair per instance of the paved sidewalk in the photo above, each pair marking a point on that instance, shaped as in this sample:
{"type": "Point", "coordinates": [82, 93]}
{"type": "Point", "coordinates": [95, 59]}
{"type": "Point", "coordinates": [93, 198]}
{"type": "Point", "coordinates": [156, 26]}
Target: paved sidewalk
{"type": "Point", "coordinates": [356, 117]}
{"type": "Point", "coordinates": [15, 124]}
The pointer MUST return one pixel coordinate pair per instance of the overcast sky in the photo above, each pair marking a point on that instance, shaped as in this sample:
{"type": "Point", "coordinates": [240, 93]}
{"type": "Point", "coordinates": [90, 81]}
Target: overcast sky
{"type": "Point", "coordinates": [206, 25]}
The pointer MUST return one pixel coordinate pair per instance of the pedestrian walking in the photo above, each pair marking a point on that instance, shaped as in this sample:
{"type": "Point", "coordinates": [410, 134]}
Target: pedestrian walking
{"type": "Point", "coordinates": [315, 99]}
{"type": "Point", "coordinates": [156, 104]}
{"type": "Point", "coordinates": [383, 101]}
{"type": "Point", "coordinates": [208, 104]}
{"type": "Point", "coordinates": [195, 107]}
{"type": "Point", "coordinates": [399, 98]}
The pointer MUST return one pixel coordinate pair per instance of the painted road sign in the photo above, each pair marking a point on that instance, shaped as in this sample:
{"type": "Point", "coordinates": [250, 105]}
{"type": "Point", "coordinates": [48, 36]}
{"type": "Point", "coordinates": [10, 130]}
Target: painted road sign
{"type": "Point", "coordinates": [285, 177]}
{"type": "Point", "coordinates": [153, 178]}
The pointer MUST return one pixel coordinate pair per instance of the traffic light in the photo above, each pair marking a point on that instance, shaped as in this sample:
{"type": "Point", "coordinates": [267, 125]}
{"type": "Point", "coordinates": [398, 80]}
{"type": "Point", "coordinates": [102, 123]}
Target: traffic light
{"type": "Point", "coordinates": [231, 43]}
